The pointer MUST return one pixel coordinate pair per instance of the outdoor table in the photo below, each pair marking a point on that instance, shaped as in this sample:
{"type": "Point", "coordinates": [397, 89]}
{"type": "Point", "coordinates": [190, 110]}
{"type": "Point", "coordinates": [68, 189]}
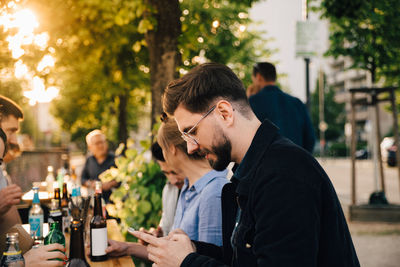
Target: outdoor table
{"type": "Point", "coordinates": [113, 232]}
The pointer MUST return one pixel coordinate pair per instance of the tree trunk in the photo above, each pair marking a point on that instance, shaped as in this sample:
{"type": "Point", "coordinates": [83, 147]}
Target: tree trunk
{"type": "Point", "coordinates": [163, 50]}
{"type": "Point", "coordinates": [122, 117]}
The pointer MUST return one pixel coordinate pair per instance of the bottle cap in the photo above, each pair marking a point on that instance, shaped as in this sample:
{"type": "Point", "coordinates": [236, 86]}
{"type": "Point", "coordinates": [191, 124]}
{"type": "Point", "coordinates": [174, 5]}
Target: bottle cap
{"type": "Point", "coordinates": [50, 168]}
{"type": "Point", "coordinates": [12, 237]}
{"type": "Point", "coordinates": [35, 195]}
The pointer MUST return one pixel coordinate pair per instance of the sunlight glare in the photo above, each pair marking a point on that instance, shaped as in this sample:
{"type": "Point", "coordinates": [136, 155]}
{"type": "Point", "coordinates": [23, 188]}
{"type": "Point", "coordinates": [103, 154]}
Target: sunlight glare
{"type": "Point", "coordinates": [47, 61]}
{"type": "Point", "coordinates": [39, 94]}
{"type": "Point", "coordinates": [41, 40]}
{"type": "Point", "coordinates": [20, 69]}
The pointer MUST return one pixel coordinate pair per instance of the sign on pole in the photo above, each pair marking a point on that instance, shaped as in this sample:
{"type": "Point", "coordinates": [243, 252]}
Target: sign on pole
{"type": "Point", "coordinates": [307, 39]}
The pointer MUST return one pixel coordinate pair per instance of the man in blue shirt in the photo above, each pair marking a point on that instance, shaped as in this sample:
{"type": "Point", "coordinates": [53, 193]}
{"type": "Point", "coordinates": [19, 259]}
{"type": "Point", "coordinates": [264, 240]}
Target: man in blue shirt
{"type": "Point", "coordinates": [285, 111]}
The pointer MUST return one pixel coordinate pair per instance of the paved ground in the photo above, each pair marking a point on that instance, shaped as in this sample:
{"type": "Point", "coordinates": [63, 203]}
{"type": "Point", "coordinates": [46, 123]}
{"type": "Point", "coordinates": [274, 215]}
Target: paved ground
{"type": "Point", "coordinates": [377, 244]}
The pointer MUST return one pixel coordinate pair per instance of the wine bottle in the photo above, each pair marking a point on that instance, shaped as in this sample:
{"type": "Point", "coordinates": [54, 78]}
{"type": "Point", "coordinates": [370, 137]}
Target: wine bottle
{"type": "Point", "coordinates": [76, 246]}
{"type": "Point", "coordinates": [98, 231]}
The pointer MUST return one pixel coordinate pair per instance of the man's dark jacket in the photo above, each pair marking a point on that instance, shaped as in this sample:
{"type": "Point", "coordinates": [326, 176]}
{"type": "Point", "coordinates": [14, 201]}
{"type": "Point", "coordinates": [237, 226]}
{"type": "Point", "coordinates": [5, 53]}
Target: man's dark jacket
{"type": "Point", "coordinates": [286, 112]}
{"type": "Point", "coordinates": [290, 213]}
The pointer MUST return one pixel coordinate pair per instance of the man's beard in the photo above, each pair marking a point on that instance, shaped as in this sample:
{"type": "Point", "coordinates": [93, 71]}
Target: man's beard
{"type": "Point", "coordinates": [222, 151]}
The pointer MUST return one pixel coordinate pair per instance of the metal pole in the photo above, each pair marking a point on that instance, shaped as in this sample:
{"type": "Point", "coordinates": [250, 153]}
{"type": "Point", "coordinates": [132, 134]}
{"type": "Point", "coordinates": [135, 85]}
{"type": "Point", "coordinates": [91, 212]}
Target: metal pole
{"type": "Point", "coordinates": [395, 129]}
{"type": "Point", "coordinates": [378, 140]}
{"type": "Point", "coordinates": [321, 113]}
{"type": "Point", "coordinates": [308, 100]}
{"type": "Point", "coordinates": [353, 150]}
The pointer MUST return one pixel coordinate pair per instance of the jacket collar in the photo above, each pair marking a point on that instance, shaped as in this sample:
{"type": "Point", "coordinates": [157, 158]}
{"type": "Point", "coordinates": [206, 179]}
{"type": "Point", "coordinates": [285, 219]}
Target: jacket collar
{"type": "Point", "coordinates": [264, 136]}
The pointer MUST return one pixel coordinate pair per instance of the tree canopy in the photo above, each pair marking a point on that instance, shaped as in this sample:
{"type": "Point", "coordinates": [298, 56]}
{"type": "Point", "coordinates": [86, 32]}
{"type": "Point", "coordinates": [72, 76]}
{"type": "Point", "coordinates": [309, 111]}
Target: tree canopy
{"type": "Point", "coordinates": [113, 59]}
{"type": "Point", "coordinates": [366, 31]}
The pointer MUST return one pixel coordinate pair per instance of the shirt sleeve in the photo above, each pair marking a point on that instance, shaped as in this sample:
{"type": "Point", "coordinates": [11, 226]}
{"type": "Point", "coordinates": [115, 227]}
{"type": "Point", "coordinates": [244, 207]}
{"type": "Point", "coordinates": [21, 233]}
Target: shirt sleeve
{"type": "Point", "coordinates": [210, 214]}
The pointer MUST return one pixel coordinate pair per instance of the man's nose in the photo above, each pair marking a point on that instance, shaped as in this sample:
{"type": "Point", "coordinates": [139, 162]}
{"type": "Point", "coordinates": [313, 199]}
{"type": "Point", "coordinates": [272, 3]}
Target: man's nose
{"type": "Point", "coordinates": [13, 139]}
{"type": "Point", "coordinates": [191, 148]}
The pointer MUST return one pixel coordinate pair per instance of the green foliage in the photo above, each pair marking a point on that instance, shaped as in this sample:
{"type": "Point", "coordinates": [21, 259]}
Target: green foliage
{"type": "Point", "coordinates": [334, 113]}
{"type": "Point", "coordinates": [367, 32]}
{"type": "Point", "coordinates": [103, 62]}
{"type": "Point", "coordinates": [218, 32]}
{"type": "Point", "coordinates": [138, 200]}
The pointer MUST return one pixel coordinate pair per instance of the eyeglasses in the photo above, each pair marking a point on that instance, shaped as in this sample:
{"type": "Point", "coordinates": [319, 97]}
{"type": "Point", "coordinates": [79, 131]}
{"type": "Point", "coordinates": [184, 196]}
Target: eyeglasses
{"type": "Point", "coordinates": [186, 135]}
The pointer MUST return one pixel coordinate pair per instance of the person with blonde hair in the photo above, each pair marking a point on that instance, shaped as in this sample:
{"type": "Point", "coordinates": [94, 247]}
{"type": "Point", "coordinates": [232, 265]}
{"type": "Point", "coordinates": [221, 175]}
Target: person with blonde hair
{"type": "Point", "coordinates": [198, 211]}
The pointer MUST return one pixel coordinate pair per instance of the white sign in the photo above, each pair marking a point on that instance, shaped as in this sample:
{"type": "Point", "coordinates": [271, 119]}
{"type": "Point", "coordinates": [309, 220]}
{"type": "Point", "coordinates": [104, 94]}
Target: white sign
{"type": "Point", "coordinates": [307, 39]}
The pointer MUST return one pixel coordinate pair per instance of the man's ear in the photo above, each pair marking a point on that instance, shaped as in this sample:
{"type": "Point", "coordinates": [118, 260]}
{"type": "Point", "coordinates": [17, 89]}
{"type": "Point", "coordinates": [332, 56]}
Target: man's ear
{"type": "Point", "coordinates": [225, 112]}
{"type": "Point", "coordinates": [172, 149]}
{"type": "Point", "coordinates": [259, 78]}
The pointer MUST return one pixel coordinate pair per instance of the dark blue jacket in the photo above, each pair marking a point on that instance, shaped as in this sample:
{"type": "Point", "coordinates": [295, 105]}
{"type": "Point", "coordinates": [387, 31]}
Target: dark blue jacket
{"type": "Point", "coordinates": [286, 112]}
{"type": "Point", "coordinates": [290, 213]}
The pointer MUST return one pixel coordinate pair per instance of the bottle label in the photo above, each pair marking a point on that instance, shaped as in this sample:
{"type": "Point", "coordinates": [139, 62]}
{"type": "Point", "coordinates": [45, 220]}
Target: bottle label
{"type": "Point", "coordinates": [12, 253]}
{"type": "Point", "coordinates": [98, 239]}
{"type": "Point", "coordinates": [36, 225]}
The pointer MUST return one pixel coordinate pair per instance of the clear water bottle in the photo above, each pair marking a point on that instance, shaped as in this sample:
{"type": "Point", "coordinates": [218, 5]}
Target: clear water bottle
{"type": "Point", "coordinates": [36, 217]}
{"type": "Point", "coordinates": [50, 181]}
{"type": "Point", "coordinates": [12, 256]}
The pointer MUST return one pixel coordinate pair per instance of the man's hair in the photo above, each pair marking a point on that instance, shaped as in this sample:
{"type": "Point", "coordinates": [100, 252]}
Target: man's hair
{"type": "Point", "coordinates": [266, 70]}
{"type": "Point", "coordinates": [93, 133]}
{"type": "Point", "coordinates": [9, 107]}
{"type": "Point", "coordinates": [3, 136]}
{"type": "Point", "coordinates": [201, 86]}
{"type": "Point", "coordinates": [156, 151]}
{"type": "Point", "coordinates": [169, 134]}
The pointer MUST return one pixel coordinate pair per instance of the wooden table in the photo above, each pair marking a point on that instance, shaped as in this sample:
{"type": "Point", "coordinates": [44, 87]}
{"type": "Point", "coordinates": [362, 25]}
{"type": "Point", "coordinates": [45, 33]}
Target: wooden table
{"type": "Point", "coordinates": [113, 232]}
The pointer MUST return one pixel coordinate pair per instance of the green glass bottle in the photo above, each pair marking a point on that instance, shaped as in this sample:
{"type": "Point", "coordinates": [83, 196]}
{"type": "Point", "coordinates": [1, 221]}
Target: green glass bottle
{"type": "Point", "coordinates": [55, 236]}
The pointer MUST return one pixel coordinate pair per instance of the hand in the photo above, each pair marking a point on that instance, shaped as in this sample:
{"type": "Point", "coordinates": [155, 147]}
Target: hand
{"type": "Point", "coordinates": [41, 256]}
{"type": "Point", "coordinates": [117, 249]}
{"type": "Point", "coordinates": [108, 185]}
{"type": "Point", "coordinates": [167, 252]}
{"type": "Point", "coordinates": [152, 231]}
{"type": "Point", "coordinates": [10, 195]}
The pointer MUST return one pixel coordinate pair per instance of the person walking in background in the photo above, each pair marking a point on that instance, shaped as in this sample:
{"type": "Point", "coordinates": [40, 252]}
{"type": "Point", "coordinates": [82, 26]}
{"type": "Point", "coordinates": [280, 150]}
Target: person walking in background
{"type": "Point", "coordinates": [100, 161]}
{"type": "Point", "coordinates": [285, 111]}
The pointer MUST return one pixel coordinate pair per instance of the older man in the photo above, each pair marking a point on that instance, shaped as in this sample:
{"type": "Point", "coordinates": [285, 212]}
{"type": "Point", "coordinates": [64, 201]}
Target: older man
{"type": "Point", "coordinates": [100, 161]}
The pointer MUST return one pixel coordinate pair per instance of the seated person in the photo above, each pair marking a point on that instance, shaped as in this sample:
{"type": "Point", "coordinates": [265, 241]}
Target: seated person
{"type": "Point", "coordinates": [199, 205]}
{"type": "Point", "coordinates": [170, 192]}
{"type": "Point", "coordinates": [198, 212]}
{"type": "Point", "coordinates": [100, 161]}
{"type": "Point", "coordinates": [11, 196]}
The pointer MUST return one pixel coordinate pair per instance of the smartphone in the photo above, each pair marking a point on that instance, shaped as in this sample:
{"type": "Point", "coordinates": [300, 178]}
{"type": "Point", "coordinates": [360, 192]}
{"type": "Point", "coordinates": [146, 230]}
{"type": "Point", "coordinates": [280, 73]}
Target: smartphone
{"type": "Point", "coordinates": [131, 230]}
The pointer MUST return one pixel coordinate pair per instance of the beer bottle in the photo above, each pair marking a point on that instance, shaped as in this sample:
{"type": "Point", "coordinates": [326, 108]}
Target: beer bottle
{"type": "Point", "coordinates": [76, 246]}
{"type": "Point", "coordinates": [55, 236]}
{"type": "Point", "coordinates": [12, 256]}
{"type": "Point", "coordinates": [36, 217]}
{"type": "Point", "coordinates": [57, 194]}
{"type": "Point", "coordinates": [50, 180]}
{"type": "Point", "coordinates": [65, 209]}
{"type": "Point", "coordinates": [55, 214]}
{"type": "Point", "coordinates": [98, 231]}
